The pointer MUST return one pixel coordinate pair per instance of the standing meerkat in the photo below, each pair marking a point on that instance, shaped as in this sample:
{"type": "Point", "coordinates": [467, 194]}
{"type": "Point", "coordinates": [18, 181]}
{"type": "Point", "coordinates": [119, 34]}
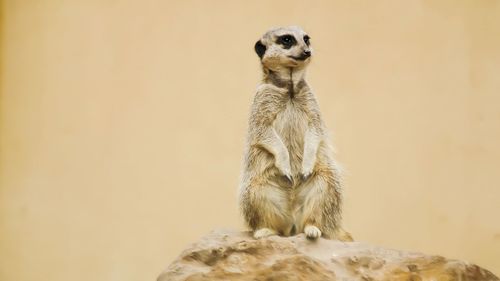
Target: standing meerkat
{"type": "Point", "coordinates": [290, 182]}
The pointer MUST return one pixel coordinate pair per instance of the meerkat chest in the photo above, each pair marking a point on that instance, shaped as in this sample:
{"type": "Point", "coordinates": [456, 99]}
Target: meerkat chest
{"type": "Point", "coordinates": [291, 124]}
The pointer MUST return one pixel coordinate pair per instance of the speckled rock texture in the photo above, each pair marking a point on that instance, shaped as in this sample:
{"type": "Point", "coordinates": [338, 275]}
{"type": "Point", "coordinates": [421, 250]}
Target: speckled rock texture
{"type": "Point", "coordinates": [228, 255]}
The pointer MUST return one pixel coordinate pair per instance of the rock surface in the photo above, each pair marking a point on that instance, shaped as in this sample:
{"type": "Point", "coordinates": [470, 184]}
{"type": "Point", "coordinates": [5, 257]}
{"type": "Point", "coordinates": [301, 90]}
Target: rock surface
{"type": "Point", "coordinates": [227, 255]}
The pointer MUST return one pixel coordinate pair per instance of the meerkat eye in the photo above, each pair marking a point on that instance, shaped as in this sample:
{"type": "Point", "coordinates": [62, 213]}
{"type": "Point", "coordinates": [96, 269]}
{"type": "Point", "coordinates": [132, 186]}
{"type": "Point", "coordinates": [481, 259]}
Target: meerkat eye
{"type": "Point", "coordinates": [306, 40]}
{"type": "Point", "coordinates": [287, 41]}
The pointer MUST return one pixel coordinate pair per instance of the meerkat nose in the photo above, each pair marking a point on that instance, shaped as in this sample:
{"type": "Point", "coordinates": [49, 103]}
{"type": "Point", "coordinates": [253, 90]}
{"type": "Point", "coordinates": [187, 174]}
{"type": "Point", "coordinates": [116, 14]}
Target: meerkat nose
{"type": "Point", "coordinates": [307, 53]}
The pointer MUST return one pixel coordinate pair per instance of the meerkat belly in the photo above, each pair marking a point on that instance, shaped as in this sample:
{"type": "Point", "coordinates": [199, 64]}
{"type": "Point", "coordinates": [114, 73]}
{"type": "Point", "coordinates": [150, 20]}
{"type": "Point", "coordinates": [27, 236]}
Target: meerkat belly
{"type": "Point", "coordinates": [291, 124]}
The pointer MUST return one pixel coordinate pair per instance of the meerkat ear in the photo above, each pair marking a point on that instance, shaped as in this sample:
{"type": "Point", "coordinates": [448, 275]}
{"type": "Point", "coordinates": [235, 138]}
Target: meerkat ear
{"type": "Point", "coordinates": [260, 49]}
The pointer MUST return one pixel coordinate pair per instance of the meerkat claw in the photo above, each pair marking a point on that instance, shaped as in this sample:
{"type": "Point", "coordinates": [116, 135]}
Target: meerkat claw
{"type": "Point", "coordinates": [289, 179]}
{"type": "Point", "coordinates": [305, 176]}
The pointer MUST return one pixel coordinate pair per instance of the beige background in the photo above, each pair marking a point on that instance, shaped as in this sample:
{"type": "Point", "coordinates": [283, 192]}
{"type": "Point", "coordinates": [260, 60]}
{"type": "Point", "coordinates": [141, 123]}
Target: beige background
{"type": "Point", "coordinates": [123, 123]}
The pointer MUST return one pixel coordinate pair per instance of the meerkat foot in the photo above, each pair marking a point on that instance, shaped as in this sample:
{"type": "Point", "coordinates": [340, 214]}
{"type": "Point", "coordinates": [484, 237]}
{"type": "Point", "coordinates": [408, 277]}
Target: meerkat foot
{"type": "Point", "coordinates": [263, 232]}
{"type": "Point", "coordinates": [312, 232]}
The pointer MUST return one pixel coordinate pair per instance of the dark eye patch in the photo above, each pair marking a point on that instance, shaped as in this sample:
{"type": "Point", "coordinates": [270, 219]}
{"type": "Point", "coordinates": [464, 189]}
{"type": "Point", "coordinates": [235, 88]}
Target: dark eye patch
{"type": "Point", "coordinates": [306, 39]}
{"type": "Point", "coordinates": [286, 40]}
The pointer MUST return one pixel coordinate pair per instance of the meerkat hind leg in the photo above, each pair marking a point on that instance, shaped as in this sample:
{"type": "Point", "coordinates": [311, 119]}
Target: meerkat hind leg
{"type": "Point", "coordinates": [319, 214]}
{"type": "Point", "coordinates": [270, 207]}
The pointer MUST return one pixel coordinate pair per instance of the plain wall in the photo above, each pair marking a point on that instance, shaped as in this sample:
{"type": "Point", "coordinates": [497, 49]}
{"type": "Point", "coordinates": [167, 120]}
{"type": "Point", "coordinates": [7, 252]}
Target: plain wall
{"type": "Point", "coordinates": [123, 126]}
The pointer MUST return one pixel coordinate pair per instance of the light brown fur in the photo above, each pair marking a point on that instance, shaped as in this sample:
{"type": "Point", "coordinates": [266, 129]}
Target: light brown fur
{"type": "Point", "coordinates": [290, 183]}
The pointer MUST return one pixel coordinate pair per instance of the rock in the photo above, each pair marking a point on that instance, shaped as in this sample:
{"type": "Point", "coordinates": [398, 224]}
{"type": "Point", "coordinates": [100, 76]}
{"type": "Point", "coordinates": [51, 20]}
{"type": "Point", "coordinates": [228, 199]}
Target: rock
{"type": "Point", "coordinates": [229, 255]}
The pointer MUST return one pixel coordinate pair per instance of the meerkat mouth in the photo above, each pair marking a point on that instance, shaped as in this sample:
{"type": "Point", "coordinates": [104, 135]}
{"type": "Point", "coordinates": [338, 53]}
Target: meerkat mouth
{"type": "Point", "coordinates": [301, 58]}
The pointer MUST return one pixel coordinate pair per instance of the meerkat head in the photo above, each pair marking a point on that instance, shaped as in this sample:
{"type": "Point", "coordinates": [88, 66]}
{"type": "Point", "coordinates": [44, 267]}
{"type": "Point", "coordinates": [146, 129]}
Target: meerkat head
{"type": "Point", "coordinates": [287, 47]}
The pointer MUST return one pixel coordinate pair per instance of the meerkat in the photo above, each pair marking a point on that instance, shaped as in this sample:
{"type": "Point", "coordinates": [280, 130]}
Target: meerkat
{"type": "Point", "coordinates": [290, 182]}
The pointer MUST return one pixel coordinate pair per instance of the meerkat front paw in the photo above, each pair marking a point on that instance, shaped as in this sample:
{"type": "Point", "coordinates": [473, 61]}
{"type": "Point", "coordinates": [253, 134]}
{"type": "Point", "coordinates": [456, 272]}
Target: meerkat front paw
{"type": "Point", "coordinates": [263, 232]}
{"type": "Point", "coordinates": [312, 232]}
{"type": "Point", "coordinates": [307, 170]}
{"type": "Point", "coordinates": [305, 174]}
{"type": "Point", "coordinates": [284, 166]}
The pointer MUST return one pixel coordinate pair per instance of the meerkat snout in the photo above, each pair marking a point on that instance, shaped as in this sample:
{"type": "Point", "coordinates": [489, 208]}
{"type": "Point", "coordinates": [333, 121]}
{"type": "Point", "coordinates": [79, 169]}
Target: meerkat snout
{"type": "Point", "coordinates": [284, 47]}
